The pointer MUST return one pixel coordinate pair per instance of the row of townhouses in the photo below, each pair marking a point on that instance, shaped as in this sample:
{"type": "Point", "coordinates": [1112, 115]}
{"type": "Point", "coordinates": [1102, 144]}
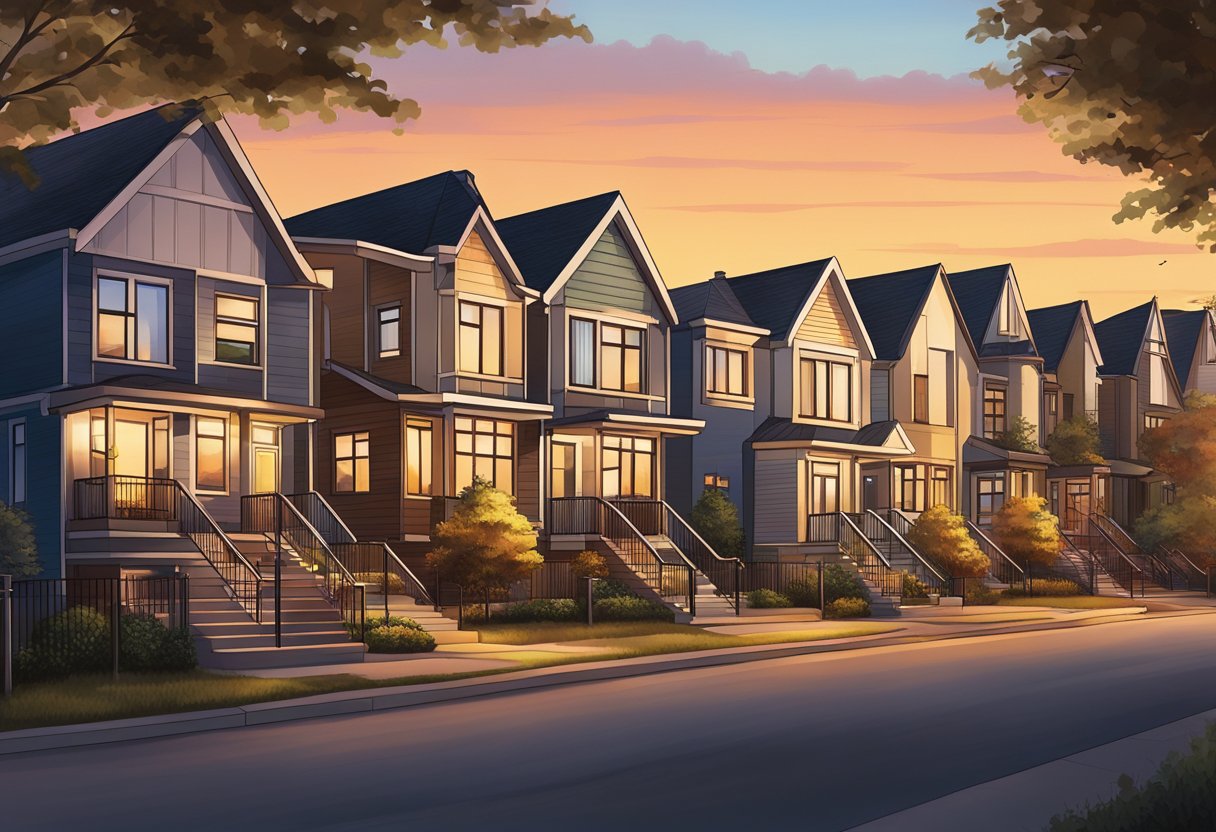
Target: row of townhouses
{"type": "Point", "coordinates": [176, 351]}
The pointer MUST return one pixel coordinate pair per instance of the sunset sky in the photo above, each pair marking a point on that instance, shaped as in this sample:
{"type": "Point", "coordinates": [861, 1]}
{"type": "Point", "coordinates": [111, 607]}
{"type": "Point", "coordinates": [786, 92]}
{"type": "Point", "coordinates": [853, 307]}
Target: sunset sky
{"type": "Point", "coordinates": [751, 136]}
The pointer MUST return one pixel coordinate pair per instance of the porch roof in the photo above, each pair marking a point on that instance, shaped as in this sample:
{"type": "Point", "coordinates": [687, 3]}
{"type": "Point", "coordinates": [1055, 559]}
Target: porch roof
{"type": "Point", "coordinates": [409, 394]}
{"type": "Point", "coordinates": [876, 438]}
{"type": "Point", "coordinates": [1127, 468]}
{"type": "Point", "coordinates": [151, 389]}
{"type": "Point", "coordinates": [627, 419]}
{"type": "Point", "coordinates": [977, 449]}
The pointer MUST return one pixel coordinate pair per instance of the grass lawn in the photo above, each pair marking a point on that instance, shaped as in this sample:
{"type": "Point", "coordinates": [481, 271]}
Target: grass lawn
{"type": "Point", "coordinates": [1072, 602]}
{"type": "Point", "coordinates": [627, 639]}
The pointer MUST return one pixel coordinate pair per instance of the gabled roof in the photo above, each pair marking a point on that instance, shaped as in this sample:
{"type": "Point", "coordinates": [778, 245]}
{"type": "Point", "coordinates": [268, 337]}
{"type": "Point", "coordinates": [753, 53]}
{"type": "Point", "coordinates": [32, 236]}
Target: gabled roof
{"type": "Point", "coordinates": [1121, 338]}
{"type": "Point", "coordinates": [413, 217]}
{"type": "Point", "coordinates": [712, 300]}
{"type": "Point", "coordinates": [890, 305]}
{"type": "Point", "coordinates": [1182, 330]}
{"type": "Point", "coordinates": [876, 435]}
{"type": "Point", "coordinates": [1052, 327]}
{"type": "Point", "coordinates": [978, 295]}
{"type": "Point", "coordinates": [81, 174]}
{"type": "Point", "coordinates": [774, 299]}
{"type": "Point", "coordinates": [543, 242]}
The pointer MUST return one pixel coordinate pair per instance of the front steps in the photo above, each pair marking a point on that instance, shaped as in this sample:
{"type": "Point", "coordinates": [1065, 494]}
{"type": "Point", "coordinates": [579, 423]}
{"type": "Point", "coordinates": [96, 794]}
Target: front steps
{"type": "Point", "coordinates": [445, 630]}
{"type": "Point", "coordinates": [1104, 584]}
{"type": "Point", "coordinates": [709, 603]}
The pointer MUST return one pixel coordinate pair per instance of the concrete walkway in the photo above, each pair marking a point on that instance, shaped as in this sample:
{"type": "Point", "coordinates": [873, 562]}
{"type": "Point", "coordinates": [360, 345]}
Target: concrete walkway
{"type": "Point", "coordinates": [1029, 799]}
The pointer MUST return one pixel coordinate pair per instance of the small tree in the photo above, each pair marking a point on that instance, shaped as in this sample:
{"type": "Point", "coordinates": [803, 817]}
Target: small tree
{"type": "Point", "coordinates": [486, 544]}
{"type": "Point", "coordinates": [1075, 442]}
{"type": "Point", "coordinates": [1019, 435]}
{"type": "Point", "coordinates": [716, 519]}
{"type": "Point", "coordinates": [18, 549]}
{"type": "Point", "coordinates": [589, 564]}
{"type": "Point", "coordinates": [941, 535]}
{"type": "Point", "coordinates": [1184, 448]}
{"type": "Point", "coordinates": [1027, 531]}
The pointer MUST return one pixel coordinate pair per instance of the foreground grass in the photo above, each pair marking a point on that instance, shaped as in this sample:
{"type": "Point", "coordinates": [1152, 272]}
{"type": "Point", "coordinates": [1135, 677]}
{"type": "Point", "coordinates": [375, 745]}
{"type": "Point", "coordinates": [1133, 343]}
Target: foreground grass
{"type": "Point", "coordinates": [657, 638]}
{"type": "Point", "coordinates": [1072, 602]}
{"type": "Point", "coordinates": [561, 631]}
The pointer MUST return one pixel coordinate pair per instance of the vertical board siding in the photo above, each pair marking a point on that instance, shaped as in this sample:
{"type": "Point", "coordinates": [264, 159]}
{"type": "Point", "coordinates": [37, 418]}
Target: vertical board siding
{"type": "Point", "coordinates": [288, 358]}
{"type": "Point", "coordinates": [610, 279]}
{"type": "Point", "coordinates": [31, 323]}
{"type": "Point", "coordinates": [825, 322]}
{"type": "Point", "coordinates": [527, 453]}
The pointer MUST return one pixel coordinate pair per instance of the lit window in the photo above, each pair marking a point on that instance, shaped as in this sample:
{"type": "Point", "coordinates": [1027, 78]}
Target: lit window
{"type": "Point", "coordinates": [715, 481]}
{"type": "Point", "coordinates": [621, 355]}
{"type": "Point", "coordinates": [825, 487]}
{"type": "Point", "coordinates": [628, 464]}
{"type": "Point", "coordinates": [388, 331]}
{"type": "Point", "coordinates": [826, 389]}
{"type": "Point", "coordinates": [940, 493]}
{"type": "Point", "coordinates": [236, 330]}
{"type": "Point", "coordinates": [582, 352]}
{"type": "Point", "coordinates": [351, 463]}
{"type": "Point", "coordinates": [418, 459]}
{"type": "Point", "coordinates": [990, 496]}
{"type": "Point", "coordinates": [480, 339]}
{"type": "Point", "coordinates": [908, 490]}
{"type": "Point", "coordinates": [132, 320]}
{"type": "Point", "coordinates": [485, 448]}
{"type": "Point", "coordinates": [1151, 421]}
{"type": "Point", "coordinates": [211, 454]}
{"type": "Point", "coordinates": [994, 411]}
{"type": "Point", "coordinates": [726, 371]}
{"type": "Point", "coordinates": [920, 398]}
{"type": "Point", "coordinates": [17, 455]}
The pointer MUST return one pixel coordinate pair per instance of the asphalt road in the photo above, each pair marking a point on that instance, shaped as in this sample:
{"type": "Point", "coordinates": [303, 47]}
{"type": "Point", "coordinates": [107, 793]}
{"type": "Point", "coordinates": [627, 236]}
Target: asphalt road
{"type": "Point", "coordinates": [817, 742]}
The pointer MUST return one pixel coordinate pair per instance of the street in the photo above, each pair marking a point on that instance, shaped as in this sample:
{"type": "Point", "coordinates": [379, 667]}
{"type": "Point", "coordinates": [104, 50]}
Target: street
{"type": "Point", "coordinates": [816, 742]}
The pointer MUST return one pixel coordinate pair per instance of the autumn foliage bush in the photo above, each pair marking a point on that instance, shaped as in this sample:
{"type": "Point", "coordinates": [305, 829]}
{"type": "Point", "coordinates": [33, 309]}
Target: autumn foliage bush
{"type": "Point", "coordinates": [1027, 531]}
{"type": "Point", "coordinates": [942, 536]}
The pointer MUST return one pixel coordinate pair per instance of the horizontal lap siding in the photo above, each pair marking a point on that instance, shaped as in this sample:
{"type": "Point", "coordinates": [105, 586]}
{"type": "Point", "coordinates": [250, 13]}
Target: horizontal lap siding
{"type": "Point", "coordinates": [387, 285]}
{"type": "Point", "coordinates": [609, 279]}
{"type": "Point", "coordinates": [527, 491]}
{"type": "Point", "coordinates": [42, 481]}
{"type": "Point", "coordinates": [31, 323]}
{"type": "Point", "coordinates": [826, 322]}
{"type": "Point", "coordinates": [776, 500]}
{"type": "Point", "coordinates": [477, 271]}
{"type": "Point", "coordinates": [288, 355]}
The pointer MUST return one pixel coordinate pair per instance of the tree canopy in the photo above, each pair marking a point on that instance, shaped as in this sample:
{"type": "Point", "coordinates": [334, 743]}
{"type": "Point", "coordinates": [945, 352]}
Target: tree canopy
{"type": "Point", "coordinates": [1075, 441]}
{"type": "Point", "coordinates": [270, 60]}
{"type": "Point", "coordinates": [486, 544]}
{"type": "Point", "coordinates": [717, 521]}
{"type": "Point", "coordinates": [1027, 531]}
{"type": "Point", "coordinates": [942, 536]}
{"type": "Point", "coordinates": [18, 549]}
{"type": "Point", "coordinates": [1126, 83]}
{"type": "Point", "coordinates": [1184, 449]}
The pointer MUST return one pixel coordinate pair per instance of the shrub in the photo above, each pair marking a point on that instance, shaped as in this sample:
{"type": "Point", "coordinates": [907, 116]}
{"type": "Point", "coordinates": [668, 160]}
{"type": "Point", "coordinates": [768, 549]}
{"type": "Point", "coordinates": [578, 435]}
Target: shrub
{"type": "Point", "coordinates": [841, 582]}
{"type": "Point", "coordinates": [398, 639]}
{"type": "Point", "coordinates": [632, 609]}
{"type": "Point", "coordinates": [487, 544]}
{"type": "Point", "coordinates": [848, 608]}
{"type": "Point", "coordinates": [539, 609]}
{"type": "Point", "coordinates": [763, 599]}
{"type": "Point", "coordinates": [18, 551]}
{"type": "Point", "coordinates": [610, 588]}
{"type": "Point", "coordinates": [942, 537]}
{"type": "Point", "coordinates": [803, 592]}
{"type": "Point", "coordinates": [75, 640]}
{"type": "Point", "coordinates": [147, 644]}
{"type": "Point", "coordinates": [1020, 435]}
{"type": "Point", "coordinates": [1026, 531]}
{"type": "Point", "coordinates": [589, 564]}
{"type": "Point", "coordinates": [1056, 587]}
{"type": "Point", "coordinates": [717, 521]}
{"type": "Point", "coordinates": [1075, 442]}
{"type": "Point", "coordinates": [393, 621]}
{"type": "Point", "coordinates": [978, 592]}
{"type": "Point", "coordinates": [914, 587]}
{"type": "Point", "coordinates": [396, 586]}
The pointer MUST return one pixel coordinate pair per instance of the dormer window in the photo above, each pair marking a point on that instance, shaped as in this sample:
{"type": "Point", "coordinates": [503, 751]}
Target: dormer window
{"type": "Point", "coordinates": [826, 389]}
{"type": "Point", "coordinates": [1009, 312]}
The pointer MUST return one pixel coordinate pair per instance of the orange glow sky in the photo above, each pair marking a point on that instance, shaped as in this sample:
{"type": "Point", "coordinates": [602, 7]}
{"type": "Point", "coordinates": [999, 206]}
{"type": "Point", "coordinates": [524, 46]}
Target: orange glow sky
{"type": "Point", "coordinates": [730, 167]}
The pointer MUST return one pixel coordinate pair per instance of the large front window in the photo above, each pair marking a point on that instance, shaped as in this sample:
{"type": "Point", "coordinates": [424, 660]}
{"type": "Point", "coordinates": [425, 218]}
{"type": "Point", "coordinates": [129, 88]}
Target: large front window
{"type": "Point", "coordinates": [725, 371]}
{"type": "Point", "coordinates": [995, 408]}
{"type": "Point", "coordinates": [352, 463]}
{"type": "Point", "coordinates": [480, 338]}
{"type": "Point", "coordinates": [236, 330]}
{"type": "Point", "coordinates": [825, 487]}
{"type": "Point", "coordinates": [418, 460]}
{"type": "Point", "coordinates": [908, 487]}
{"type": "Point", "coordinates": [989, 497]}
{"type": "Point", "coordinates": [617, 354]}
{"type": "Point", "coordinates": [628, 467]}
{"type": "Point", "coordinates": [485, 448]}
{"type": "Point", "coordinates": [211, 454]}
{"type": "Point", "coordinates": [132, 319]}
{"type": "Point", "coordinates": [826, 389]}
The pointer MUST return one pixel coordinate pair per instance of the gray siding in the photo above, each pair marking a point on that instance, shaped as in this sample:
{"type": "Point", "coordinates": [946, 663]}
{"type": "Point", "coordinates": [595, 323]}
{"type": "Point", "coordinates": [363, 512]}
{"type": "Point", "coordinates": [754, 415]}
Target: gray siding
{"type": "Point", "coordinates": [287, 350]}
{"type": "Point", "coordinates": [609, 279]}
{"type": "Point", "coordinates": [234, 377]}
{"type": "Point", "coordinates": [880, 395]}
{"type": "Point", "coordinates": [776, 496]}
{"type": "Point", "coordinates": [31, 323]}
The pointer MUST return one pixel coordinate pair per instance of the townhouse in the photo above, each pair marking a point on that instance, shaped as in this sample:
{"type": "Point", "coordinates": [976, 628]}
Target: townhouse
{"type": "Point", "coordinates": [1191, 337]}
{"type": "Point", "coordinates": [159, 326]}
{"type": "Point", "coordinates": [426, 381]}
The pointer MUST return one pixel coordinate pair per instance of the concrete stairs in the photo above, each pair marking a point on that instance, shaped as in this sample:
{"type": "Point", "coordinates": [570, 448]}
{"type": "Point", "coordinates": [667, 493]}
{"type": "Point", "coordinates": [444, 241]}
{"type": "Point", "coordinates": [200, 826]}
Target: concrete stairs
{"type": "Point", "coordinates": [228, 638]}
{"type": "Point", "coordinates": [445, 630]}
{"type": "Point", "coordinates": [1104, 584]}
{"type": "Point", "coordinates": [709, 603]}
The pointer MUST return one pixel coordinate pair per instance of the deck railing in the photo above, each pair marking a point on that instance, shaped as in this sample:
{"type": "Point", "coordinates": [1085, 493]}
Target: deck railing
{"type": "Point", "coordinates": [243, 579]}
{"type": "Point", "coordinates": [121, 497]}
{"type": "Point", "coordinates": [823, 528]}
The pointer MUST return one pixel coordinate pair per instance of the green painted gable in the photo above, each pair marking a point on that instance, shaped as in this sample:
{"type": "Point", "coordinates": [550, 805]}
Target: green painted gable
{"type": "Point", "coordinates": [610, 279]}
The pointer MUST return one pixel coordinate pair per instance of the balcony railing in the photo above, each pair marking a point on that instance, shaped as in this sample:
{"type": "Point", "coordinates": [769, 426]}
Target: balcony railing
{"type": "Point", "coordinates": [121, 497]}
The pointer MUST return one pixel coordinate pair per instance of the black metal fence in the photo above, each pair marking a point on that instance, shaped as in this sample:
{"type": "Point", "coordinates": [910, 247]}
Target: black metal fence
{"type": "Point", "coordinates": [76, 624]}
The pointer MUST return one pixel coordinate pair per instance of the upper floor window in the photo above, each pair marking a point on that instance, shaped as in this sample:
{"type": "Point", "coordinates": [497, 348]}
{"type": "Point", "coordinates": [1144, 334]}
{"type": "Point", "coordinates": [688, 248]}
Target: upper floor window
{"type": "Point", "coordinates": [388, 331]}
{"type": "Point", "coordinates": [920, 398]}
{"type": "Point", "coordinates": [419, 467]}
{"type": "Point", "coordinates": [1009, 312]}
{"type": "Point", "coordinates": [1151, 421]}
{"type": "Point", "coordinates": [133, 319]}
{"type": "Point", "coordinates": [352, 460]}
{"type": "Point", "coordinates": [481, 334]}
{"type": "Point", "coordinates": [826, 389]}
{"type": "Point", "coordinates": [995, 410]}
{"type": "Point", "coordinates": [716, 481]}
{"type": "Point", "coordinates": [726, 371]}
{"type": "Point", "coordinates": [236, 330]}
{"type": "Point", "coordinates": [618, 354]}
{"type": "Point", "coordinates": [17, 460]}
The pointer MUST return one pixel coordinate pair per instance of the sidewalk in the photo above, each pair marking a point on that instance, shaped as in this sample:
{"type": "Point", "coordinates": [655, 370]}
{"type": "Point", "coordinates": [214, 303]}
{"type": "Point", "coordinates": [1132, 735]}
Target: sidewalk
{"type": "Point", "coordinates": [1026, 801]}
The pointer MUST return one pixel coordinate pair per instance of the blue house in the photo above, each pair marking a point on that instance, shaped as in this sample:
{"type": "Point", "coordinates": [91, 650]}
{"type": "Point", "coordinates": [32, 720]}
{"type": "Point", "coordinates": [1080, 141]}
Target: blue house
{"type": "Point", "coordinates": [158, 324]}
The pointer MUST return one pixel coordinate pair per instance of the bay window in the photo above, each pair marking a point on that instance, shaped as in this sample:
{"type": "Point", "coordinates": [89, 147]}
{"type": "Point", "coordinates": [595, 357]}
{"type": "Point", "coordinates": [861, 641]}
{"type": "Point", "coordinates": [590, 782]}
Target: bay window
{"type": "Point", "coordinates": [725, 371]}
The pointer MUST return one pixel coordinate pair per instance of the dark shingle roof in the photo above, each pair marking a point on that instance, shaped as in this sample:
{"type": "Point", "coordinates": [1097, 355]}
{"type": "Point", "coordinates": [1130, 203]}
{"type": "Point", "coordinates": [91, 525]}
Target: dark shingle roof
{"type": "Point", "coordinates": [543, 242]}
{"type": "Point", "coordinates": [775, 429]}
{"type": "Point", "coordinates": [1052, 326]}
{"type": "Point", "coordinates": [712, 299]}
{"type": "Point", "coordinates": [80, 174]}
{"type": "Point", "coordinates": [413, 217]}
{"type": "Point", "coordinates": [397, 388]}
{"type": "Point", "coordinates": [1182, 329]}
{"type": "Point", "coordinates": [773, 298]}
{"type": "Point", "coordinates": [889, 303]}
{"type": "Point", "coordinates": [977, 293]}
{"type": "Point", "coordinates": [1120, 338]}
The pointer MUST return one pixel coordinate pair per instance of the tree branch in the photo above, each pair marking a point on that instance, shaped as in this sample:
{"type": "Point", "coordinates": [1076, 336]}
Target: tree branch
{"type": "Point", "coordinates": [98, 57]}
{"type": "Point", "coordinates": [28, 32]}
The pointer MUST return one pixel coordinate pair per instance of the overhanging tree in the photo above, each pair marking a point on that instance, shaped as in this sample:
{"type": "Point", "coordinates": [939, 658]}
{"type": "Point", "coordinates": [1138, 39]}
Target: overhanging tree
{"type": "Point", "coordinates": [1125, 83]}
{"type": "Point", "coordinates": [1075, 441]}
{"type": "Point", "coordinates": [1184, 449]}
{"type": "Point", "coordinates": [270, 60]}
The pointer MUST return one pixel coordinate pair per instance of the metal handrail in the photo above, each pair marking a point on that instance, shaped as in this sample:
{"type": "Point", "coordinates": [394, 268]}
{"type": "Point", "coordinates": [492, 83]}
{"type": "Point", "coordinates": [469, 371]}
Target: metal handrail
{"type": "Point", "coordinates": [337, 583]}
{"type": "Point", "coordinates": [1002, 567]}
{"type": "Point", "coordinates": [1114, 561]}
{"type": "Point", "coordinates": [375, 559]}
{"type": "Point", "coordinates": [242, 578]}
{"type": "Point", "coordinates": [937, 571]}
{"type": "Point", "coordinates": [870, 562]}
{"type": "Point", "coordinates": [1067, 569]}
{"type": "Point", "coordinates": [324, 519]}
{"type": "Point", "coordinates": [607, 521]}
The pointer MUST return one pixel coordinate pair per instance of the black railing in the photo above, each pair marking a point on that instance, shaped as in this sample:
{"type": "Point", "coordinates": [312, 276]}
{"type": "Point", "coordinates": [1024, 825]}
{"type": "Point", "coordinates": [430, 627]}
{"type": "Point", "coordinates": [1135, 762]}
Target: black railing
{"type": "Point", "coordinates": [1153, 567]}
{"type": "Point", "coordinates": [899, 553]}
{"type": "Point", "coordinates": [594, 516]}
{"type": "Point", "coordinates": [377, 566]}
{"type": "Point", "coordinates": [274, 515]}
{"type": "Point", "coordinates": [120, 497]}
{"type": "Point", "coordinates": [1112, 560]}
{"type": "Point", "coordinates": [1072, 564]}
{"type": "Point", "coordinates": [869, 561]}
{"type": "Point", "coordinates": [242, 578]}
{"type": "Point", "coordinates": [76, 625]}
{"type": "Point", "coordinates": [823, 528]}
{"type": "Point", "coordinates": [1189, 575]}
{"type": "Point", "coordinates": [1002, 567]}
{"type": "Point", "coordinates": [321, 515]}
{"type": "Point", "coordinates": [656, 517]}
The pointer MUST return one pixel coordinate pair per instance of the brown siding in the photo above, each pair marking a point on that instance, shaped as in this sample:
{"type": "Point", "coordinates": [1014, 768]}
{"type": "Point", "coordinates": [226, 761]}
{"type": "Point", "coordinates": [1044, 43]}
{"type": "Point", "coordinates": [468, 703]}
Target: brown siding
{"type": "Point", "coordinates": [476, 270]}
{"type": "Point", "coordinates": [528, 476]}
{"type": "Point", "coordinates": [345, 305]}
{"type": "Point", "coordinates": [375, 515]}
{"type": "Point", "coordinates": [386, 285]}
{"type": "Point", "coordinates": [826, 321]}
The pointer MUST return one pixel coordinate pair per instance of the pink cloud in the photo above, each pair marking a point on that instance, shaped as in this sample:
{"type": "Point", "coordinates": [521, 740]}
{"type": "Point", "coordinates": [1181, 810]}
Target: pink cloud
{"type": "Point", "coordinates": [1007, 176]}
{"type": "Point", "coordinates": [699, 163]}
{"type": "Point", "coordinates": [1063, 248]}
{"type": "Point", "coordinates": [785, 207]}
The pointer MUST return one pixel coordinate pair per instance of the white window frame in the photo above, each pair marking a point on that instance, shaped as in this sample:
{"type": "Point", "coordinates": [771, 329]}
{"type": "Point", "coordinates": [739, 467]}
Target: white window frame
{"type": "Point", "coordinates": [256, 323]}
{"type": "Point", "coordinates": [133, 279]}
{"type": "Point", "coordinates": [381, 352]}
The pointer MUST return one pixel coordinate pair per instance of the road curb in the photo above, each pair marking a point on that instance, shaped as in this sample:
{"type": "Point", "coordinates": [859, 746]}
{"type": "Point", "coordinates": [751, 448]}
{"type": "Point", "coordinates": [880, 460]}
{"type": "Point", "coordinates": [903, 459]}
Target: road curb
{"type": "Point", "coordinates": [366, 700]}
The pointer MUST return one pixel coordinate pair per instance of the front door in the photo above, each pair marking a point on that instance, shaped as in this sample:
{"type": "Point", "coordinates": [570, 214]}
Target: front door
{"type": "Point", "coordinates": [1076, 503]}
{"type": "Point", "coordinates": [869, 493]}
{"type": "Point", "coordinates": [564, 469]}
{"type": "Point", "coordinates": [265, 443]}
{"type": "Point", "coordinates": [825, 487]}
{"type": "Point", "coordinates": [130, 448]}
